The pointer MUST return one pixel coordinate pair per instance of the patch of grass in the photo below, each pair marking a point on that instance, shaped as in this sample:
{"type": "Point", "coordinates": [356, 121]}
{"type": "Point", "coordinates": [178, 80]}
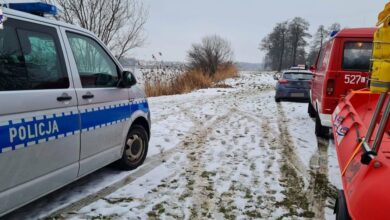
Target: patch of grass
{"type": "Point", "coordinates": [159, 208]}
{"type": "Point", "coordinates": [227, 212]}
{"type": "Point", "coordinates": [184, 196]}
{"type": "Point", "coordinates": [118, 200]}
{"type": "Point", "coordinates": [162, 185]}
{"type": "Point", "coordinates": [253, 167]}
{"type": "Point", "coordinates": [295, 196]}
{"type": "Point", "coordinates": [194, 214]}
{"type": "Point", "coordinates": [322, 187]}
{"type": "Point", "coordinates": [207, 175]}
{"type": "Point", "coordinates": [222, 85]}
{"type": "Point", "coordinates": [209, 187]}
{"type": "Point", "coordinates": [191, 182]}
{"type": "Point", "coordinates": [248, 194]}
{"type": "Point", "coordinates": [259, 200]}
{"type": "Point", "coordinates": [253, 214]}
{"type": "Point", "coordinates": [103, 217]}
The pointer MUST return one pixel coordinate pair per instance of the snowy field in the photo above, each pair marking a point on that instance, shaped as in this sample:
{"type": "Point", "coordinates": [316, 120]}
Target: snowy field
{"type": "Point", "coordinates": [214, 154]}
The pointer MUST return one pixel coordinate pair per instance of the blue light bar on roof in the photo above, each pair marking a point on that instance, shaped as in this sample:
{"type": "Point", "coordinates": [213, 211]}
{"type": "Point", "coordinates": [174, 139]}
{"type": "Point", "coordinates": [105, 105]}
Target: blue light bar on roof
{"type": "Point", "coordinates": [36, 8]}
{"type": "Point", "coordinates": [333, 33]}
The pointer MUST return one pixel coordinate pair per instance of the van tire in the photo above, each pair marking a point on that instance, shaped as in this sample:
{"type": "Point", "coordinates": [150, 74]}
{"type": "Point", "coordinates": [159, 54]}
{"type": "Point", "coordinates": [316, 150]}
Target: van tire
{"type": "Point", "coordinates": [320, 130]}
{"type": "Point", "coordinates": [312, 112]}
{"type": "Point", "coordinates": [341, 208]}
{"type": "Point", "coordinates": [135, 150]}
{"type": "Point", "coordinates": [277, 100]}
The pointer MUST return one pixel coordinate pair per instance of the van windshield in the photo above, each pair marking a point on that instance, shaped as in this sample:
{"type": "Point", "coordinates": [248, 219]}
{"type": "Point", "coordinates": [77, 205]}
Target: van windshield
{"type": "Point", "coordinates": [357, 56]}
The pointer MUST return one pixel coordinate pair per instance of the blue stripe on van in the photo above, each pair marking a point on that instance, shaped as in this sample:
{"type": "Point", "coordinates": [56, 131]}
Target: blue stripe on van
{"type": "Point", "coordinates": [16, 134]}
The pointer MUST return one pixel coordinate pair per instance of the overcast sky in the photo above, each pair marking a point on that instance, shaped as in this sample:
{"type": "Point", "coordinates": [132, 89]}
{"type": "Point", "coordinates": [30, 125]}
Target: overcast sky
{"type": "Point", "coordinates": [174, 25]}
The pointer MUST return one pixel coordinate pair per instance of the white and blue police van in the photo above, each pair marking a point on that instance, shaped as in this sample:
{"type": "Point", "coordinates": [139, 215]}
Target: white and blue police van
{"type": "Point", "coordinates": [67, 107]}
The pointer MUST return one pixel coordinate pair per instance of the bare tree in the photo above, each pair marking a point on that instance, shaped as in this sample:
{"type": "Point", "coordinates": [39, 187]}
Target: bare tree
{"type": "Point", "coordinates": [213, 52]}
{"type": "Point", "coordinates": [298, 28]}
{"type": "Point", "coordinates": [320, 37]}
{"type": "Point", "coordinates": [118, 23]}
{"type": "Point", "coordinates": [318, 40]}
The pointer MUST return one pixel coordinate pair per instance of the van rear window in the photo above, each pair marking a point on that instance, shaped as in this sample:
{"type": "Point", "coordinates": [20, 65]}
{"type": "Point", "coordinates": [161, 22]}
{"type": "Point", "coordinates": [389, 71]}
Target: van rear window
{"type": "Point", "coordinates": [357, 56]}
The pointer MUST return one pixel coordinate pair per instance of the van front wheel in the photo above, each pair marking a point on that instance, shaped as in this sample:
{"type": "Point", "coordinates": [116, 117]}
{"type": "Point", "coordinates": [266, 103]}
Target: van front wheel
{"type": "Point", "coordinates": [135, 150]}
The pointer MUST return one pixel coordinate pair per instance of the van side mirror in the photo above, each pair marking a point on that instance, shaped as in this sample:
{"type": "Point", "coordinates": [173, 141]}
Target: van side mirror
{"type": "Point", "coordinates": [127, 80]}
{"type": "Point", "coordinates": [312, 68]}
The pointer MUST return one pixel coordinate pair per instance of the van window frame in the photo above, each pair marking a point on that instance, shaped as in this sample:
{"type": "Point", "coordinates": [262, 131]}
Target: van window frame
{"type": "Point", "coordinates": [52, 31]}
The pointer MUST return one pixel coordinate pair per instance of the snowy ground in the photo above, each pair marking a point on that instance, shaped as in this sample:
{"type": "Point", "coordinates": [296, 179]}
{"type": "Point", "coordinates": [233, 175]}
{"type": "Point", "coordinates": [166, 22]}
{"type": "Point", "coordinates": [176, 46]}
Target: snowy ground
{"type": "Point", "coordinates": [214, 154]}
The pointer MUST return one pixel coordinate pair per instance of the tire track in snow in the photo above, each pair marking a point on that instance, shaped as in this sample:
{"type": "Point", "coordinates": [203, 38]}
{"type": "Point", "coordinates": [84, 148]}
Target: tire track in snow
{"type": "Point", "coordinates": [151, 163]}
{"type": "Point", "coordinates": [293, 173]}
{"type": "Point", "coordinates": [309, 189]}
{"type": "Point", "coordinates": [320, 191]}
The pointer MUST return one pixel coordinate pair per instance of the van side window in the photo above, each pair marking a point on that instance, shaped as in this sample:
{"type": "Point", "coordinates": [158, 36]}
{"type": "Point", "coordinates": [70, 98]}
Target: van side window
{"type": "Point", "coordinates": [42, 61]}
{"type": "Point", "coordinates": [321, 58]}
{"type": "Point", "coordinates": [357, 56]}
{"type": "Point", "coordinates": [95, 66]}
{"type": "Point", "coordinates": [326, 58]}
{"type": "Point", "coordinates": [30, 58]}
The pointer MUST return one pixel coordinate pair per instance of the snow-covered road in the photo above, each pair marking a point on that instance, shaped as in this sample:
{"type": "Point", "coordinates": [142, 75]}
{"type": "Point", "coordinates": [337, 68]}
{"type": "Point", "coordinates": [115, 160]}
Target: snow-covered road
{"type": "Point", "coordinates": [223, 153]}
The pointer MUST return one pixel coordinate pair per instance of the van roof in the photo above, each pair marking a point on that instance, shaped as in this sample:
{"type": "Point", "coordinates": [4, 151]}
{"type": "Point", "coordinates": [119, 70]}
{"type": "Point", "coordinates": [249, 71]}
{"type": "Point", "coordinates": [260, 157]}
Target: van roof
{"type": "Point", "coordinates": [356, 32]}
{"type": "Point", "coordinates": [31, 17]}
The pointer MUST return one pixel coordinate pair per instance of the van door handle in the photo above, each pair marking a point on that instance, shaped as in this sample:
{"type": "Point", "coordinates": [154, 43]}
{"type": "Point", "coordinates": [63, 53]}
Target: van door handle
{"type": "Point", "coordinates": [64, 97]}
{"type": "Point", "coordinates": [88, 96]}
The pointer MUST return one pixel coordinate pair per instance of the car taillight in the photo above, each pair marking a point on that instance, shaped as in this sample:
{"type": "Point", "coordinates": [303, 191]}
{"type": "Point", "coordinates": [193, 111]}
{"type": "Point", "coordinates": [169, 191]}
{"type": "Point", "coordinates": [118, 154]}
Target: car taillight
{"type": "Point", "coordinates": [283, 81]}
{"type": "Point", "coordinates": [330, 87]}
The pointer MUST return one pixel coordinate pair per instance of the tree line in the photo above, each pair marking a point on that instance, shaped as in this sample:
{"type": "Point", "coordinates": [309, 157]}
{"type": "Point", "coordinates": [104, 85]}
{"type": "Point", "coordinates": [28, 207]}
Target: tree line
{"type": "Point", "coordinates": [286, 45]}
{"type": "Point", "coordinates": [120, 25]}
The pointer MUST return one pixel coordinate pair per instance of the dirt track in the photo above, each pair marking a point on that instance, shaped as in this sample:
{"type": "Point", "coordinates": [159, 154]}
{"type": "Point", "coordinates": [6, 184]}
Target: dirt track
{"type": "Point", "coordinates": [238, 160]}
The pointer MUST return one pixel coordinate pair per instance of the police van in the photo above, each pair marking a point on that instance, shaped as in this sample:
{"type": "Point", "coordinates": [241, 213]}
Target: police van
{"type": "Point", "coordinates": [67, 107]}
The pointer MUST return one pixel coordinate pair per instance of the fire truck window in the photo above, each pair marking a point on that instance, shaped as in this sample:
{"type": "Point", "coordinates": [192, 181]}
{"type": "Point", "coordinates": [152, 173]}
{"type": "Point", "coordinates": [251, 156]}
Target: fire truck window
{"type": "Point", "coordinates": [357, 56]}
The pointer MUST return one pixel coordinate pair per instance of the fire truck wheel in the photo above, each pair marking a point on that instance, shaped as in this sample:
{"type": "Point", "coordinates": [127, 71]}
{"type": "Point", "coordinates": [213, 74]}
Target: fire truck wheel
{"type": "Point", "coordinates": [341, 208]}
{"type": "Point", "coordinates": [311, 110]}
{"type": "Point", "coordinates": [320, 130]}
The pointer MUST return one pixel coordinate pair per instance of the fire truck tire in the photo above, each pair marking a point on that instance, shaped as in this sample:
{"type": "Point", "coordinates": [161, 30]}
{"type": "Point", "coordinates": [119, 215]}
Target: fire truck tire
{"type": "Point", "coordinates": [341, 208]}
{"type": "Point", "coordinates": [311, 110]}
{"type": "Point", "coordinates": [320, 130]}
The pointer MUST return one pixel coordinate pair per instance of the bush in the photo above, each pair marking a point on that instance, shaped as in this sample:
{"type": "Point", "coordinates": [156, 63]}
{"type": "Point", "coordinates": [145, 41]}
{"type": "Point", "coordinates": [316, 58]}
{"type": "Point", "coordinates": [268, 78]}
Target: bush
{"type": "Point", "coordinates": [188, 81]}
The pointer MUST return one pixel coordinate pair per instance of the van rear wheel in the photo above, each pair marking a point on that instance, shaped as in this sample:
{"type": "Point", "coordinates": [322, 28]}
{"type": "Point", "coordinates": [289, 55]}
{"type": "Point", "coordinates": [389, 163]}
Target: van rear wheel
{"type": "Point", "coordinates": [135, 150]}
{"type": "Point", "coordinates": [320, 130]}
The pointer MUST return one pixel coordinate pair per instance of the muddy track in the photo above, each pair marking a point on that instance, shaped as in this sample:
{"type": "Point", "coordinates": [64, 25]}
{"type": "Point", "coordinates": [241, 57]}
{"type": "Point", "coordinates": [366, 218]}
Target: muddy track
{"type": "Point", "coordinates": [320, 191]}
{"type": "Point", "coordinates": [308, 190]}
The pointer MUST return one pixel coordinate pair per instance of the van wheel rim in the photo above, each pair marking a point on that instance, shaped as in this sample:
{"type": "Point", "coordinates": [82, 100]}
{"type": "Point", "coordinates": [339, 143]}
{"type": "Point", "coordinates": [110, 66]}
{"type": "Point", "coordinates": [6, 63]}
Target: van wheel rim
{"type": "Point", "coordinates": [134, 148]}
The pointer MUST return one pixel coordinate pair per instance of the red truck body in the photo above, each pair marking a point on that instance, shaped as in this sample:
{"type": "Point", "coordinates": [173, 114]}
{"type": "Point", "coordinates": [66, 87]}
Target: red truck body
{"type": "Point", "coordinates": [366, 187]}
{"type": "Point", "coordinates": [342, 65]}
